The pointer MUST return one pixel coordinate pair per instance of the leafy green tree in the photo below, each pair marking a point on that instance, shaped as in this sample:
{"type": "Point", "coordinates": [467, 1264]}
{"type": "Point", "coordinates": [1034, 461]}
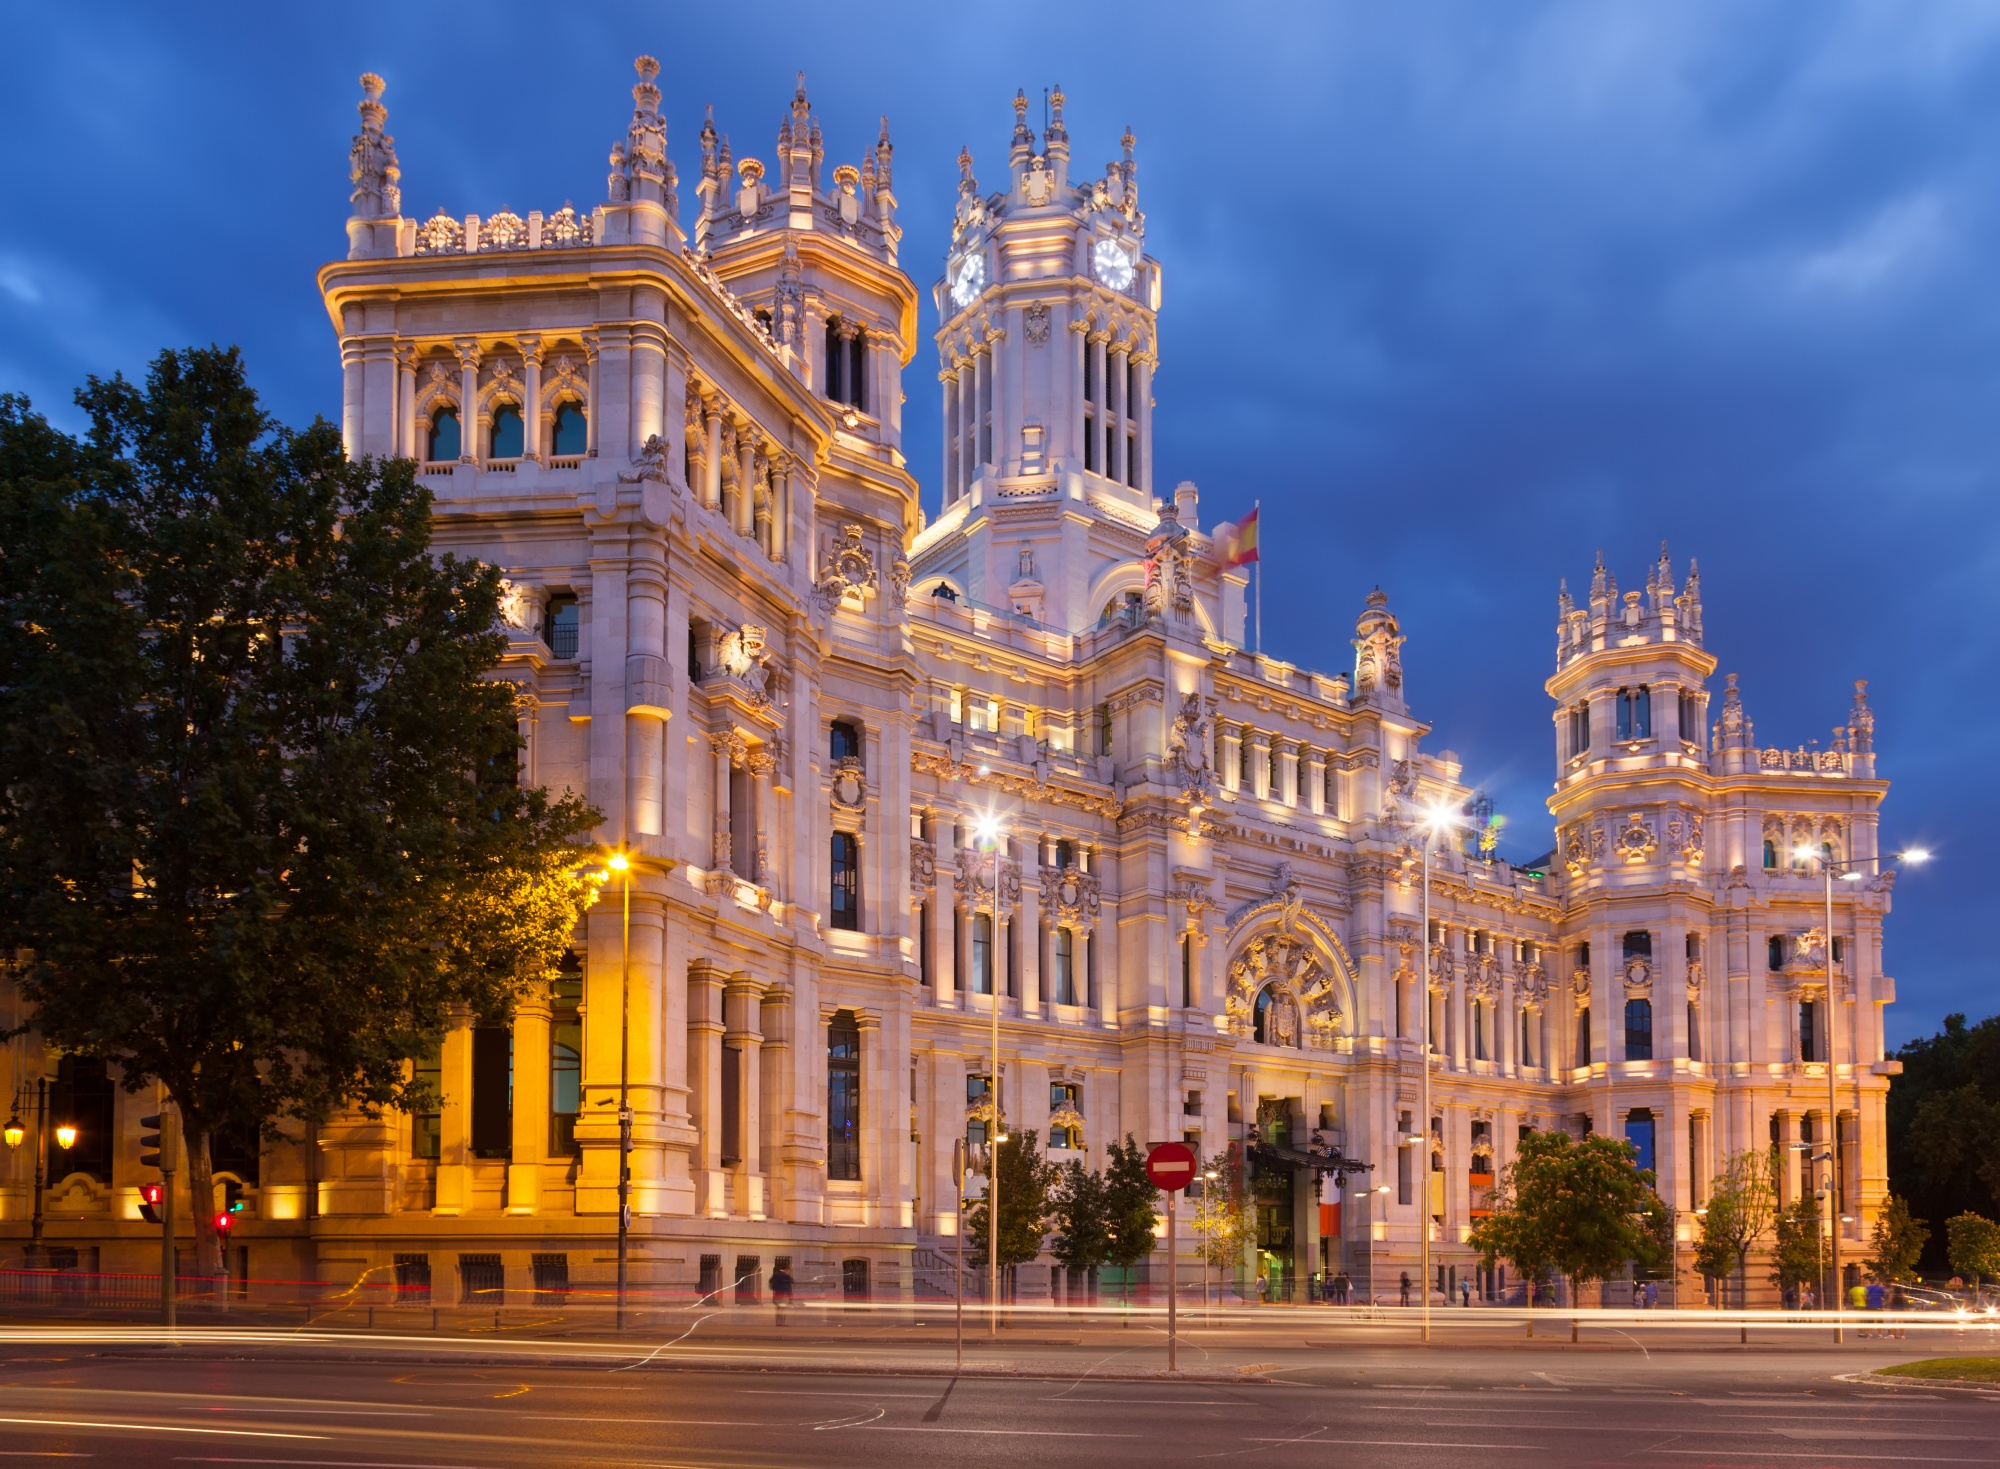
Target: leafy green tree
{"type": "Point", "coordinates": [1221, 1219]}
{"type": "Point", "coordinates": [1943, 1120]}
{"type": "Point", "coordinates": [1584, 1209]}
{"type": "Point", "coordinates": [1741, 1203]}
{"type": "Point", "coordinates": [1975, 1247]}
{"type": "Point", "coordinates": [1025, 1179]}
{"type": "Point", "coordinates": [1080, 1218]}
{"type": "Point", "coordinates": [1799, 1249]}
{"type": "Point", "coordinates": [260, 828]}
{"type": "Point", "coordinates": [1896, 1244]}
{"type": "Point", "coordinates": [1128, 1197]}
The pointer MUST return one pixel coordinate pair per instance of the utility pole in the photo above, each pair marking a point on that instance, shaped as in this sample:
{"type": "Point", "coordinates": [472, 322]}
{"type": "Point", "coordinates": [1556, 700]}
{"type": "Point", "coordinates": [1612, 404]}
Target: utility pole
{"type": "Point", "coordinates": [159, 1134]}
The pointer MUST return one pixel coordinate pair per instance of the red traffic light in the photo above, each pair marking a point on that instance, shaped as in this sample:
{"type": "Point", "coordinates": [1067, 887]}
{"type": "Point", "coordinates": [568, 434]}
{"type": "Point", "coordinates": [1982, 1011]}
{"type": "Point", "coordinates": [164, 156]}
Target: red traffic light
{"type": "Point", "coordinates": [223, 1223]}
{"type": "Point", "coordinates": [149, 1202]}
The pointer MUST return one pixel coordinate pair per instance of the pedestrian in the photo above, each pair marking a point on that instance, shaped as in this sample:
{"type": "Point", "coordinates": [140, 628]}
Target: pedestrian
{"type": "Point", "coordinates": [781, 1290]}
{"type": "Point", "coordinates": [1341, 1286]}
{"type": "Point", "coordinates": [1652, 1294]}
{"type": "Point", "coordinates": [1465, 1294]}
{"type": "Point", "coordinates": [1805, 1298]}
{"type": "Point", "coordinates": [1406, 1287]}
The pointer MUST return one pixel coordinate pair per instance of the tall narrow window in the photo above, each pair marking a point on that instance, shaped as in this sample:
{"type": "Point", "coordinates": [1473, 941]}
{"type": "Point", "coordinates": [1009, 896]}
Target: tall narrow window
{"type": "Point", "coordinates": [565, 1057]}
{"type": "Point", "coordinates": [843, 741]}
{"type": "Point", "coordinates": [846, 881]}
{"type": "Point", "coordinates": [444, 436]}
{"type": "Point", "coordinates": [1639, 1133]}
{"type": "Point", "coordinates": [857, 370]}
{"type": "Point", "coordinates": [505, 442]}
{"type": "Point", "coordinates": [1635, 713]}
{"type": "Point", "coordinates": [1638, 944]}
{"type": "Point", "coordinates": [1479, 1030]}
{"type": "Point", "coordinates": [982, 953]}
{"type": "Point", "coordinates": [732, 1104]}
{"type": "Point", "coordinates": [926, 963]}
{"type": "Point", "coordinates": [1065, 966]}
{"type": "Point", "coordinates": [560, 623]}
{"type": "Point", "coordinates": [1690, 717]}
{"type": "Point", "coordinates": [492, 1091]}
{"type": "Point", "coordinates": [426, 1131]}
{"type": "Point", "coordinates": [1770, 855]}
{"type": "Point", "coordinates": [1187, 971]}
{"type": "Point", "coordinates": [1774, 952]}
{"type": "Point", "coordinates": [836, 362]}
{"type": "Point", "coordinates": [1583, 1035]}
{"type": "Point", "coordinates": [1403, 1166]}
{"type": "Point", "coordinates": [1638, 1030]}
{"type": "Point", "coordinates": [570, 432]}
{"type": "Point", "coordinates": [1013, 961]}
{"type": "Point", "coordinates": [843, 1096]}
{"type": "Point", "coordinates": [1527, 1038]}
{"type": "Point", "coordinates": [1694, 1031]}
{"type": "Point", "coordinates": [1808, 1030]}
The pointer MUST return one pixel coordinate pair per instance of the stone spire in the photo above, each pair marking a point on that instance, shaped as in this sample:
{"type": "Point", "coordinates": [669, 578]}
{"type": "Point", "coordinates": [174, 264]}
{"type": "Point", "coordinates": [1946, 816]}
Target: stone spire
{"type": "Point", "coordinates": [1024, 141]}
{"type": "Point", "coordinates": [713, 190]}
{"type": "Point", "coordinates": [1689, 603]}
{"type": "Point", "coordinates": [653, 180]}
{"type": "Point", "coordinates": [1378, 658]}
{"type": "Point", "coordinates": [1861, 721]}
{"type": "Point", "coordinates": [1733, 730]}
{"type": "Point", "coordinates": [371, 162]}
{"type": "Point", "coordinates": [1055, 141]}
{"type": "Point", "coordinates": [1128, 173]}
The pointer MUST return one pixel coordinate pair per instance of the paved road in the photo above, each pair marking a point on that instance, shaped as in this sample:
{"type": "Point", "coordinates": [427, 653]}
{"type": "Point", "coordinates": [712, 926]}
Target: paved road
{"type": "Point", "coordinates": [134, 1404]}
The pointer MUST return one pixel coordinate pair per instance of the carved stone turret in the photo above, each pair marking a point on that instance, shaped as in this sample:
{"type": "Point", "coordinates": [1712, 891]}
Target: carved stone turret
{"type": "Point", "coordinates": [375, 225]}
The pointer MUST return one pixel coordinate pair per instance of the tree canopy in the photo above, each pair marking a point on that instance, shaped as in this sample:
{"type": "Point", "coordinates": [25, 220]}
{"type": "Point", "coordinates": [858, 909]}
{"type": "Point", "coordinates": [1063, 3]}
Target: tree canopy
{"type": "Point", "coordinates": [1582, 1209]}
{"type": "Point", "coordinates": [1897, 1242]}
{"type": "Point", "coordinates": [1025, 1180]}
{"type": "Point", "coordinates": [1944, 1122]}
{"type": "Point", "coordinates": [261, 828]}
{"type": "Point", "coordinates": [1974, 1246]}
{"type": "Point", "coordinates": [1741, 1203]}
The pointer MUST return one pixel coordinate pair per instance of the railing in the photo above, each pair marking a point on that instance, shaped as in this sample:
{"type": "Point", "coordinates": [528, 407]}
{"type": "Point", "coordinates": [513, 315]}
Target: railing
{"type": "Point", "coordinates": [562, 230]}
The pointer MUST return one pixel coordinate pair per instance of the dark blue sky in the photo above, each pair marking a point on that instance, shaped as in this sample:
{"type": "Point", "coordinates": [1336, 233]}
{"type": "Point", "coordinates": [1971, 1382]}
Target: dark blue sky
{"type": "Point", "coordinates": [1462, 292]}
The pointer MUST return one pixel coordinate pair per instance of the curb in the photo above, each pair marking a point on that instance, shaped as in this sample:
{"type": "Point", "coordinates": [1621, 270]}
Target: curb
{"type": "Point", "coordinates": [1924, 1384]}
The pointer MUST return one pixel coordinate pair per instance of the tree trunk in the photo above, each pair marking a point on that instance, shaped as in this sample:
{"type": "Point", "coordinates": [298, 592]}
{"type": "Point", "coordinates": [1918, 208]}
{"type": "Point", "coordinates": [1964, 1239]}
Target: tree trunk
{"type": "Point", "coordinates": [201, 1197]}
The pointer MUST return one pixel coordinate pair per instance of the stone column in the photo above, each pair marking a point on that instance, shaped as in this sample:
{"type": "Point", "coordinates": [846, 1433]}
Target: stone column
{"type": "Point", "coordinates": [884, 1131]}
{"type": "Point", "coordinates": [1095, 425]}
{"type": "Point", "coordinates": [704, 1042]}
{"type": "Point", "coordinates": [711, 489]}
{"type": "Point", "coordinates": [454, 1165]}
{"type": "Point", "coordinates": [944, 912]}
{"type": "Point", "coordinates": [531, 1101]}
{"type": "Point", "coordinates": [761, 508]}
{"type": "Point", "coordinates": [1315, 782]}
{"type": "Point", "coordinates": [774, 1098]}
{"type": "Point", "coordinates": [1078, 422]}
{"type": "Point", "coordinates": [725, 747]}
{"type": "Point", "coordinates": [408, 445]}
{"type": "Point", "coordinates": [1288, 773]}
{"type": "Point", "coordinates": [590, 408]}
{"type": "Point", "coordinates": [468, 399]}
{"type": "Point", "coordinates": [761, 763]}
{"type": "Point", "coordinates": [1029, 930]}
{"type": "Point", "coordinates": [746, 478]}
{"type": "Point", "coordinates": [968, 447]}
{"type": "Point", "coordinates": [1142, 410]}
{"type": "Point", "coordinates": [1260, 765]}
{"type": "Point", "coordinates": [531, 409]}
{"type": "Point", "coordinates": [742, 1017]}
{"type": "Point", "coordinates": [1116, 409]}
{"type": "Point", "coordinates": [1232, 757]}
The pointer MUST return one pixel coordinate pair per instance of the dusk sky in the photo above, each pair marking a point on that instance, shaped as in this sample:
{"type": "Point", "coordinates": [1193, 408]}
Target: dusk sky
{"type": "Point", "coordinates": [1462, 292]}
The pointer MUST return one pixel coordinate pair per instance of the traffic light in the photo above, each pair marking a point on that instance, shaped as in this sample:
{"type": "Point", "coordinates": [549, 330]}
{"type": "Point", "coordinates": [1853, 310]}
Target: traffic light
{"type": "Point", "coordinates": [155, 1143]}
{"type": "Point", "coordinates": [223, 1224]}
{"type": "Point", "coordinates": [149, 1202]}
{"type": "Point", "coordinates": [232, 1197]}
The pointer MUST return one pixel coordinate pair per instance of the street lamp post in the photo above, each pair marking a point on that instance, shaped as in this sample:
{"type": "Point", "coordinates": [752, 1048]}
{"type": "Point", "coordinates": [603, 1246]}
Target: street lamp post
{"type": "Point", "coordinates": [1914, 856]}
{"type": "Point", "coordinates": [1381, 1190]}
{"type": "Point", "coordinates": [958, 1276]}
{"type": "Point", "coordinates": [622, 865]}
{"type": "Point", "coordinates": [988, 831]}
{"type": "Point", "coordinates": [15, 1135]}
{"type": "Point", "coordinates": [1435, 820]}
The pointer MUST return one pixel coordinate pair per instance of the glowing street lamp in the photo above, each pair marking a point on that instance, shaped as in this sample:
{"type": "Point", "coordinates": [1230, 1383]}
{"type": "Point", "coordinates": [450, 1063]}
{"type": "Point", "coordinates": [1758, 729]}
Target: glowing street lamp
{"type": "Point", "coordinates": [1848, 871]}
{"type": "Point", "coordinates": [66, 1136]}
{"type": "Point", "coordinates": [14, 1133]}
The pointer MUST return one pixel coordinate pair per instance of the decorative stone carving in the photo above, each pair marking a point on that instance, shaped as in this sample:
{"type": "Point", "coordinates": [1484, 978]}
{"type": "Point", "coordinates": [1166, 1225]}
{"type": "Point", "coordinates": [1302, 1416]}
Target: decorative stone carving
{"type": "Point", "coordinates": [1638, 973]}
{"type": "Point", "coordinates": [1579, 984]}
{"type": "Point", "coordinates": [517, 605]}
{"type": "Point", "coordinates": [1378, 656]}
{"type": "Point", "coordinates": [1070, 896]}
{"type": "Point", "coordinates": [975, 880]}
{"type": "Point", "coordinates": [923, 869]}
{"type": "Point", "coordinates": [372, 162]}
{"type": "Point", "coordinates": [1531, 984]}
{"type": "Point", "coordinates": [1187, 751]}
{"type": "Point", "coordinates": [1305, 1007]}
{"type": "Point", "coordinates": [1169, 565]}
{"type": "Point", "coordinates": [1694, 978]}
{"type": "Point", "coordinates": [899, 581]}
{"type": "Point", "coordinates": [745, 654]}
{"type": "Point", "coordinates": [850, 785]}
{"type": "Point", "coordinates": [650, 464]}
{"type": "Point", "coordinates": [1035, 325]}
{"type": "Point", "coordinates": [849, 566]}
{"type": "Point", "coordinates": [1636, 840]}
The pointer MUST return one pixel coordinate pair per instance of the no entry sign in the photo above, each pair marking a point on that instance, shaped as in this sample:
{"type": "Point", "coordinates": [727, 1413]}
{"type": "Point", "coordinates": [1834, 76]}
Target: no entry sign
{"type": "Point", "coordinates": [1170, 1166]}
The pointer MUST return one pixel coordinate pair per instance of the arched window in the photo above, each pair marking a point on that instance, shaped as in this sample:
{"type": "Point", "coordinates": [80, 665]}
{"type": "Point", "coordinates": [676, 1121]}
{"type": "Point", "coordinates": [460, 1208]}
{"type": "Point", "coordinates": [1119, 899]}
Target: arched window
{"type": "Point", "coordinates": [1770, 855]}
{"type": "Point", "coordinates": [1275, 1019]}
{"type": "Point", "coordinates": [559, 625]}
{"type": "Point", "coordinates": [505, 440]}
{"type": "Point", "coordinates": [444, 438]}
{"type": "Point", "coordinates": [1065, 976]}
{"type": "Point", "coordinates": [1774, 952]}
{"type": "Point", "coordinates": [569, 434]}
{"type": "Point", "coordinates": [1635, 713]}
{"type": "Point", "coordinates": [843, 1096]}
{"type": "Point", "coordinates": [1639, 1133]}
{"type": "Point", "coordinates": [846, 881]}
{"type": "Point", "coordinates": [836, 362]}
{"type": "Point", "coordinates": [843, 741]}
{"type": "Point", "coordinates": [1125, 605]}
{"type": "Point", "coordinates": [1638, 1030]}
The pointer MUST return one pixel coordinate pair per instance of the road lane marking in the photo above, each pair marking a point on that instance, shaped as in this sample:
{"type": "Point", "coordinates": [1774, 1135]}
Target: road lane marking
{"type": "Point", "coordinates": [1821, 1455]}
{"type": "Point", "coordinates": [154, 1428]}
{"type": "Point", "coordinates": [1007, 1432]}
{"type": "Point", "coordinates": [1407, 1443]}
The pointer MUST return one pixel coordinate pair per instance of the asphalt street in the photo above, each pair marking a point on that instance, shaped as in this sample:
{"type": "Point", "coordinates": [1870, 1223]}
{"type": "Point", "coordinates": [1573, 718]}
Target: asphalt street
{"type": "Point", "coordinates": [369, 1408]}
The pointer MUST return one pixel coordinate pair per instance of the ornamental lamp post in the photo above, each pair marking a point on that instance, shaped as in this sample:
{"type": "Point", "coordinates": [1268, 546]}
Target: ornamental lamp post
{"type": "Point", "coordinates": [1436, 819]}
{"type": "Point", "coordinates": [988, 831]}
{"type": "Point", "coordinates": [1847, 872]}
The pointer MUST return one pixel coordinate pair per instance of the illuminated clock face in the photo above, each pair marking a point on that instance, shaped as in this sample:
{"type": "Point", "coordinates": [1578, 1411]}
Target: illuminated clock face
{"type": "Point", "coordinates": [1113, 264]}
{"type": "Point", "coordinates": [967, 280]}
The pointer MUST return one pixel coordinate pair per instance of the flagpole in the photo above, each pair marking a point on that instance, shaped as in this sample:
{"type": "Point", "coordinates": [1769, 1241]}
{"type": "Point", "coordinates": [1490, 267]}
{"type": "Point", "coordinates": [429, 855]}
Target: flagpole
{"type": "Point", "coordinates": [1256, 509]}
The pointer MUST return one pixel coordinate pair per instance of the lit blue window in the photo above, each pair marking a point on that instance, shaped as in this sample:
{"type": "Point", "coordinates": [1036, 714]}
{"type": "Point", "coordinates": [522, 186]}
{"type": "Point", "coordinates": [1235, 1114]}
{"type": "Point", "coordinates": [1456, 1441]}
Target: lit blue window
{"type": "Point", "coordinates": [507, 429]}
{"type": "Point", "coordinates": [571, 431]}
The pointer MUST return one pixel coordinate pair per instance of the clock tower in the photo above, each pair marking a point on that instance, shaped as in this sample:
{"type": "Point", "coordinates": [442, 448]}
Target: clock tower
{"type": "Point", "coordinates": [1049, 307]}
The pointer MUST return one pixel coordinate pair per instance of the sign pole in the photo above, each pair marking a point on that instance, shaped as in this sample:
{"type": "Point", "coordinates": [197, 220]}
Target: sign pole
{"type": "Point", "coordinates": [1173, 1284]}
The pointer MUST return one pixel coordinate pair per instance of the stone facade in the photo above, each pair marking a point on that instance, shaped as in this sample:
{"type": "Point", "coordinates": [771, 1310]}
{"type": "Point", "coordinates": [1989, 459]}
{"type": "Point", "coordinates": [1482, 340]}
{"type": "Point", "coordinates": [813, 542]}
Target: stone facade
{"type": "Point", "coordinates": [794, 700]}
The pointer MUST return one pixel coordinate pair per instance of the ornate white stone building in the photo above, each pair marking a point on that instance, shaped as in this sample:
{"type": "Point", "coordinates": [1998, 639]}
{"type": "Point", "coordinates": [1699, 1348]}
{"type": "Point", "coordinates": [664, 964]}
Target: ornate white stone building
{"type": "Point", "coordinates": [678, 427]}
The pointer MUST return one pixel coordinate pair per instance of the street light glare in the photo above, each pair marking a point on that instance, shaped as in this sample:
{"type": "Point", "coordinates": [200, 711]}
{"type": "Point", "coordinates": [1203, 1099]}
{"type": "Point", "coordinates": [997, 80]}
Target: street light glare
{"type": "Point", "coordinates": [1915, 856]}
{"type": "Point", "coordinates": [1438, 818]}
{"type": "Point", "coordinates": [618, 862]}
{"type": "Point", "coordinates": [987, 828]}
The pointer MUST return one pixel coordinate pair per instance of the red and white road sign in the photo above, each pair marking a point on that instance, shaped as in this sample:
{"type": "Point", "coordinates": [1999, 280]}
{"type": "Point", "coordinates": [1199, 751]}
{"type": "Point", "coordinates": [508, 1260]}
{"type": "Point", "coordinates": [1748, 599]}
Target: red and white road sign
{"type": "Point", "coordinates": [1171, 1166]}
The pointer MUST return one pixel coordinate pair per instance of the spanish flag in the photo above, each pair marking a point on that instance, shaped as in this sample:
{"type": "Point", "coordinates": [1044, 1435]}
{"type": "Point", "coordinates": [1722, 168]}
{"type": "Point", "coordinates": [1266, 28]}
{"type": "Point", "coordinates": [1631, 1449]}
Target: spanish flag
{"type": "Point", "coordinates": [1236, 545]}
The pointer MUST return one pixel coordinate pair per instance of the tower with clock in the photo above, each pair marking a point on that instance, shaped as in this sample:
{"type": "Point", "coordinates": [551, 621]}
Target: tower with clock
{"type": "Point", "coordinates": [1048, 341]}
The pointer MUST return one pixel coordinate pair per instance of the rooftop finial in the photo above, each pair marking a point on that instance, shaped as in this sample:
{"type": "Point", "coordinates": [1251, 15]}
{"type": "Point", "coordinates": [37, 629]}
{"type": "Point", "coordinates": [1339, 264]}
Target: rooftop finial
{"type": "Point", "coordinates": [1024, 141]}
{"type": "Point", "coordinates": [646, 141]}
{"type": "Point", "coordinates": [1056, 137]}
{"type": "Point", "coordinates": [371, 162]}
